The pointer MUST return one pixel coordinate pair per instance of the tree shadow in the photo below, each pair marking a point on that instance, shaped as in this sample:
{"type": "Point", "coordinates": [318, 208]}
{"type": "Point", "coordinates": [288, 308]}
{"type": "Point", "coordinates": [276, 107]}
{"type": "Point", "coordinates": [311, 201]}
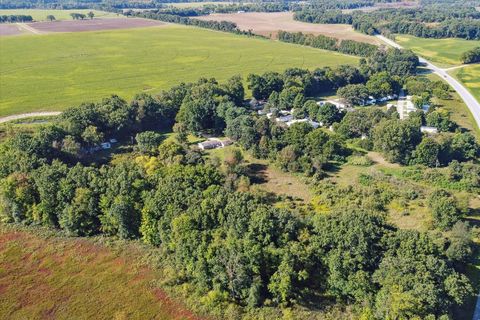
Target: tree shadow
{"type": "Point", "coordinates": [257, 173]}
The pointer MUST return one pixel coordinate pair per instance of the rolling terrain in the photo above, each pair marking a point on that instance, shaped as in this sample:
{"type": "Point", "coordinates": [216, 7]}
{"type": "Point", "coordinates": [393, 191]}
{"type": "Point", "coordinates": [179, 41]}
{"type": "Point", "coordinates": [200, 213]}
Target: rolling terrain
{"type": "Point", "coordinates": [54, 71]}
{"type": "Point", "coordinates": [269, 23]}
{"type": "Point", "coordinates": [444, 52]}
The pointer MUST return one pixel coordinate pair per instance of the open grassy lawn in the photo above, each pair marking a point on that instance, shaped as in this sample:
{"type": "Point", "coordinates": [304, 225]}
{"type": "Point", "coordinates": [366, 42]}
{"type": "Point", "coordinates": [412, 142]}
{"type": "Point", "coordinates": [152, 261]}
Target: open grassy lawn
{"type": "Point", "coordinates": [45, 277]}
{"type": "Point", "coordinates": [55, 71]}
{"type": "Point", "coordinates": [41, 15]}
{"type": "Point", "coordinates": [470, 77]}
{"type": "Point", "coordinates": [444, 52]}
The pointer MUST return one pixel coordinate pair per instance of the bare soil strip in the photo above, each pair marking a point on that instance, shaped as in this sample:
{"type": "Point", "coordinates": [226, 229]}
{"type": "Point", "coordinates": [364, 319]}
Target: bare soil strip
{"type": "Point", "coordinates": [268, 24]}
{"type": "Point", "coordinates": [93, 25]}
{"type": "Point", "coordinates": [28, 28]}
{"type": "Point", "coordinates": [9, 29]}
{"type": "Point", "coordinates": [29, 115]}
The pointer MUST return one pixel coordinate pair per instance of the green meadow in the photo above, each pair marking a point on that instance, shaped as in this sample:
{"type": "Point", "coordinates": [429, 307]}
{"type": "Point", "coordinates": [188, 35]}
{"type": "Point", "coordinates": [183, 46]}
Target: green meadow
{"type": "Point", "coordinates": [444, 52]}
{"type": "Point", "coordinates": [41, 15]}
{"type": "Point", "coordinates": [470, 77]}
{"type": "Point", "coordinates": [55, 71]}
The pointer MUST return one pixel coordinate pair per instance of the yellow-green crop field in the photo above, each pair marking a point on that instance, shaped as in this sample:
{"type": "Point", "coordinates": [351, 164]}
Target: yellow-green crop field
{"type": "Point", "coordinates": [55, 71]}
{"type": "Point", "coordinates": [41, 15]}
{"type": "Point", "coordinates": [444, 52]}
{"type": "Point", "coordinates": [470, 77]}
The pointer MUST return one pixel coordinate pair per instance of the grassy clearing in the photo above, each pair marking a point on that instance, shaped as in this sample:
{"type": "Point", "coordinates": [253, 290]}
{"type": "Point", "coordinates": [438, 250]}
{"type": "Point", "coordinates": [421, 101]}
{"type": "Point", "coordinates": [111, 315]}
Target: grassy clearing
{"type": "Point", "coordinates": [267, 177]}
{"type": "Point", "coordinates": [444, 52]}
{"type": "Point", "coordinates": [41, 15]}
{"type": "Point", "coordinates": [71, 68]}
{"type": "Point", "coordinates": [71, 278]}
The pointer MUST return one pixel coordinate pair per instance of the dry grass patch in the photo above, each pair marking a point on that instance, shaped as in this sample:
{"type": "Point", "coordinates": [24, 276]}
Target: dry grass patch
{"type": "Point", "coordinates": [269, 23]}
{"type": "Point", "coordinates": [70, 278]}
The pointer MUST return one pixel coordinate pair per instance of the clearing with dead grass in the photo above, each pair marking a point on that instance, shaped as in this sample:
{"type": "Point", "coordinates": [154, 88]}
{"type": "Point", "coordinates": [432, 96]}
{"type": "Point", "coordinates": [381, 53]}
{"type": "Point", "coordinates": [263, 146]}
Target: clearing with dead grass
{"type": "Point", "coordinates": [269, 23]}
{"type": "Point", "coordinates": [72, 278]}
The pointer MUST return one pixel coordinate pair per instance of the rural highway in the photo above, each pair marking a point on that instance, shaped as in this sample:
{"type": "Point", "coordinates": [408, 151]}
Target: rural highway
{"type": "Point", "coordinates": [467, 97]}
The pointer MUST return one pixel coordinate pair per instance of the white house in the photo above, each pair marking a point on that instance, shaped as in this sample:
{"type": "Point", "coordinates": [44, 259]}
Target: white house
{"type": "Point", "coordinates": [214, 143]}
{"type": "Point", "coordinates": [405, 106]}
{"type": "Point", "coordinates": [312, 123]}
{"type": "Point", "coordinates": [337, 103]}
{"type": "Point", "coordinates": [426, 129]}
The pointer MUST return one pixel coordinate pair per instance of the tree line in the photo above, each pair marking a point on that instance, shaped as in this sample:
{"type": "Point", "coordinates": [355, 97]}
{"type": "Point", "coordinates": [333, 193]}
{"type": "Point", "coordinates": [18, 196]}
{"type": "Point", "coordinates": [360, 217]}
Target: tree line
{"type": "Point", "coordinates": [323, 42]}
{"type": "Point", "coordinates": [428, 21]}
{"type": "Point", "coordinates": [15, 18]}
{"type": "Point", "coordinates": [471, 56]}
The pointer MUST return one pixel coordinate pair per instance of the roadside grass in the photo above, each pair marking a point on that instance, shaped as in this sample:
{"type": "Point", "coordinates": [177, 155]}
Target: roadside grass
{"type": "Point", "coordinates": [458, 110]}
{"type": "Point", "coordinates": [70, 68]}
{"type": "Point", "coordinates": [41, 15]}
{"type": "Point", "coordinates": [444, 52]}
{"type": "Point", "coordinates": [53, 277]}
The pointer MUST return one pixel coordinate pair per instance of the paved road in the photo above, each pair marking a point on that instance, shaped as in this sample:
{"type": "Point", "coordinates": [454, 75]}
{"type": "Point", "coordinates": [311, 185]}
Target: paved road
{"type": "Point", "coordinates": [469, 100]}
{"type": "Point", "coordinates": [29, 115]}
{"type": "Point", "coordinates": [467, 97]}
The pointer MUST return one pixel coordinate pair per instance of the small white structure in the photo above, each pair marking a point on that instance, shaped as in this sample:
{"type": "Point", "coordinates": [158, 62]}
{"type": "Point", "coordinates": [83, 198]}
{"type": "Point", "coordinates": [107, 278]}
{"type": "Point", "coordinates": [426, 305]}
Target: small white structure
{"type": "Point", "coordinates": [113, 141]}
{"type": "Point", "coordinates": [105, 145]}
{"type": "Point", "coordinates": [285, 118]}
{"type": "Point", "coordinates": [337, 103]}
{"type": "Point", "coordinates": [430, 130]}
{"type": "Point", "coordinates": [214, 143]}
{"type": "Point", "coordinates": [314, 124]}
{"type": "Point", "coordinates": [405, 106]}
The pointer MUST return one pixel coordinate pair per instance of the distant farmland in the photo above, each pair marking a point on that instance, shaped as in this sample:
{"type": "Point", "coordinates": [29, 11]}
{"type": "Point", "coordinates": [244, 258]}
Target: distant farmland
{"type": "Point", "coordinates": [41, 15]}
{"type": "Point", "coordinates": [54, 71]}
{"type": "Point", "coordinates": [470, 76]}
{"type": "Point", "coordinates": [268, 24]}
{"type": "Point", "coordinates": [445, 52]}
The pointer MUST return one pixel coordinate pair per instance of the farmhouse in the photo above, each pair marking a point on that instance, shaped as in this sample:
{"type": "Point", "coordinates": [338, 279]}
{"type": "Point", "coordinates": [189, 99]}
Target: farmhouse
{"type": "Point", "coordinates": [214, 143]}
{"type": "Point", "coordinates": [405, 106]}
{"type": "Point", "coordinates": [311, 122]}
{"type": "Point", "coordinates": [426, 129]}
{"type": "Point", "coordinates": [339, 103]}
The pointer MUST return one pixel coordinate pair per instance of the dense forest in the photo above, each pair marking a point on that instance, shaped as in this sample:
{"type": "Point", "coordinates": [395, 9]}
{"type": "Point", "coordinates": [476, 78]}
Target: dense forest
{"type": "Point", "coordinates": [327, 43]}
{"type": "Point", "coordinates": [232, 243]}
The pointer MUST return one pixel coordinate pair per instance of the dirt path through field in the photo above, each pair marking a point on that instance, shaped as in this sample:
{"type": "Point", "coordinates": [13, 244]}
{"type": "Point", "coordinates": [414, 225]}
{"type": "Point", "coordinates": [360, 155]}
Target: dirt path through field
{"type": "Point", "coordinates": [29, 115]}
{"type": "Point", "coordinates": [26, 27]}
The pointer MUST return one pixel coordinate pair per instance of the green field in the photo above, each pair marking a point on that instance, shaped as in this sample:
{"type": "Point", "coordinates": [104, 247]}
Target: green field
{"type": "Point", "coordinates": [41, 15]}
{"type": "Point", "coordinates": [470, 77]}
{"type": "Point", "coordinates": [71, 68]}
{"type": "Point", "coordinates": [444, 52]}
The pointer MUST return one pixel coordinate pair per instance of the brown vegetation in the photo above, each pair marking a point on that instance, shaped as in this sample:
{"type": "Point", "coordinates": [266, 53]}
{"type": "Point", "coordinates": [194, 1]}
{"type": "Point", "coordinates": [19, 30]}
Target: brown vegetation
{"type": "Point", "coordinates": [93, 25]}
{"type": "Point", "coordinates": [268, 24]}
